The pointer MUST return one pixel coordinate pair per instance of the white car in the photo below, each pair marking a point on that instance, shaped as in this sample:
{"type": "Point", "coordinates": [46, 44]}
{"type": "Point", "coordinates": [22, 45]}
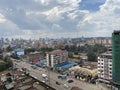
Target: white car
{"type": "Point", "coordinates": [44, 75]}
{"type": "Point", "coordinates": [43, 81]}
{"type": "Point", "coordinates": [66, 86]}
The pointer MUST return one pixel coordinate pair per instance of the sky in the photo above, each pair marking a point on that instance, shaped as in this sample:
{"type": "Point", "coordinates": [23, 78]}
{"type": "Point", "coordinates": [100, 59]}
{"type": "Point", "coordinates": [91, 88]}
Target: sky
{"type": "Point", "coordinates": [58, 18]}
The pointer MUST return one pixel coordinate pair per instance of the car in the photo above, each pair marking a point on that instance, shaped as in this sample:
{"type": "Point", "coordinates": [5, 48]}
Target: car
{"type": "Point", "coordinates": [17, 61]}
{"type": "Point", "coordinates": [37, 83]}
{"type": "Point", "coordinates": [59, 76]}
{"type": "Point", "coordinates": [44, 75]}
{"type": "Point", "coordinates": [34, 67]}
{"type": "Point", "coordinates": [70, 81]}
{"type": "Point", "coordinates": [93, 81]}
{"type": "Point", "coordinates": [65, 86]}
{"type": "Point", "coordinates": [58, 83]}
{"type": "Point", "coordinates": [46, 79]}
{"type": "Point", "coordinates": [43, 81]}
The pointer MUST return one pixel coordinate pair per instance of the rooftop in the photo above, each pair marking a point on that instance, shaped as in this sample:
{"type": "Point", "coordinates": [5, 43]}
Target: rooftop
{"type": "Point", "coordinates": [116, 32]}
{"type": "Point", "coordinates": [57, 52]}
{"type": "Point", "coordinates": [66, 64]}
{"type": "Point", "coordinates": [22, 82]}
{"type": "Point", "coordinates": [107, 54]}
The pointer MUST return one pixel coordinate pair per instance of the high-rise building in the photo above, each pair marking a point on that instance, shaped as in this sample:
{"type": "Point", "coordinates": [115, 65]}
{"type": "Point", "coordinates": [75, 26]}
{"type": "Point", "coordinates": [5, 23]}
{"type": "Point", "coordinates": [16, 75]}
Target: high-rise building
{"type": "Point", "coordinates": [116, 57]}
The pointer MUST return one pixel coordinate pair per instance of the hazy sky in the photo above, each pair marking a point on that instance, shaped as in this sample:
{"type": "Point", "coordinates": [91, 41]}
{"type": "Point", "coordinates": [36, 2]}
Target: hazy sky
{"type": "Point", "coordinates": [58, 18]}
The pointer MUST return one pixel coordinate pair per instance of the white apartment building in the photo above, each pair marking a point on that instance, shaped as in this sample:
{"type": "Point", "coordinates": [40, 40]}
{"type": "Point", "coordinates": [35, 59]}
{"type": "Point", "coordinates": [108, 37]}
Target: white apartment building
{"type": "Point", "coordinates": [105, 66]}
{"type": "Point", "coordinates": [56, 57]}
{"type": "Point", "coordinates": [105, 41]}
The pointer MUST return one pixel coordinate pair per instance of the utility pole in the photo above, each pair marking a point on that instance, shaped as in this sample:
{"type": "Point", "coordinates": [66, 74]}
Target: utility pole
{"type": "Point", "coordinates": [48, 69]}
{"type": "Point", "coordinates": [49, 75]}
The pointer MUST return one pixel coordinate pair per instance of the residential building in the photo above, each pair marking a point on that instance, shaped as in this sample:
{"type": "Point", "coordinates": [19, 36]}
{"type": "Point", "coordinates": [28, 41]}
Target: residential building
{"type": "Point", "coordinates": [56, 57]}
{"type": "Point", "coordinates": [103, 41]}
{"type": "Point", "coordinates": [116, 58]}
{"type": "Point", "coordinates": [34, 55]}
{"type": "Point", "coordinates": [105, 66]}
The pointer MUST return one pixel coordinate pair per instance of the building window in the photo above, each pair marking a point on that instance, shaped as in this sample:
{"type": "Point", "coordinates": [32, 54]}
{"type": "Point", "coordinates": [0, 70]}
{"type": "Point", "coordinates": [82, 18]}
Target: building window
{"type": "Point", "coordinates": [110, 68]}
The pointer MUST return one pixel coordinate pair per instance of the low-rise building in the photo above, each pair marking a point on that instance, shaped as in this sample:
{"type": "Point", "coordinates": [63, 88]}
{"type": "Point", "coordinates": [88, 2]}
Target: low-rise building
{"type": "Point", "coordinates": [105, 66]}
{"type": "Point", "coordinates": [56, 57]}
{"type": "Point", "coordinates": [34, 55]}
{"type": "Point", "coordinates": [19, 52]}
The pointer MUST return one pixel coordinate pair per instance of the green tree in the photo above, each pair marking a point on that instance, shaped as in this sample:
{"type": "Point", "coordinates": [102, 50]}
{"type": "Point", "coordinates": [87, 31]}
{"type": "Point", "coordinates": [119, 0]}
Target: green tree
{"type": "Point", "coordinates": [9, 49]}
{"type": "Point", "coordinates": [28, 50]}
{"type": "Point", "coordinates": [44, 50]}
{"type": "Point", "coordinates": [15, 56]}
{"type": "Point", "coordinates": [3, 66]}
{"type": "Point", "coordinates": [92, 56]}
{"type": "Point", "coordinates": [70, 54]}
{"type": "Point", "coordinates": [98, 48]}
{"type": "Point", "coordinates": [1, 56]}
{"type": "Point", "coordinates": [8, 61]}
{"type": "Point", "coordinates": [67, 47]}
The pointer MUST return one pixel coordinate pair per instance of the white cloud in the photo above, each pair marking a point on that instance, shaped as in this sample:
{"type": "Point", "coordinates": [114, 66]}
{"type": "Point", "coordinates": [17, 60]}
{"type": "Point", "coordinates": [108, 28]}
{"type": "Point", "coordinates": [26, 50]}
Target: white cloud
{"type": "Point", "coordinates": [54, 14]}
{"type": "Point", "coordinates": [2, 19]}
{"type": "Point", "coordinates": [40, 18]}
{"type": "Point", "coordinates": [104, 21]}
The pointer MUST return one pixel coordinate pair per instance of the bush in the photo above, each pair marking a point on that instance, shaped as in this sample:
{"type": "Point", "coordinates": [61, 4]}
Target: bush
{"type": "Point", "coordinates": [92, 56]}
{"type": "Point", "coordinates": [3, 66]}
{"type": "Point", "coordinates": [15, 56]}
{"type": "Point", "coordinates": [6, 63]}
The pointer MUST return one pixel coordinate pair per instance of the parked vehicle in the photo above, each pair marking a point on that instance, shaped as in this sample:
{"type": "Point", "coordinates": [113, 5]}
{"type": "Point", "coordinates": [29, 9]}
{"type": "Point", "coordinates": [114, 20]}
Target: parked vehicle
{"type": "Point", "coordinates": [65, 86]}
{"type": "Point", "coordinates": [34, 66]}
{"type": "Point", "coordinates": [58, 83]}
{"type": "Point", "coordinates": [59, 76]}
{"type": "Point", "coordinates": [62, 76]}
{"type": "Point", "coordinates": [70, 81]}
{"type": "Point", "coordinates": [43, 81]}
{"type": "Point", "coordinates": [44, 75]}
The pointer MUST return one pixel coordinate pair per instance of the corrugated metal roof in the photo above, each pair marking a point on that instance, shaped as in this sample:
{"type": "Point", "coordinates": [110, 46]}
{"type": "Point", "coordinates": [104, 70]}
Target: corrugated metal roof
{"type": "Point", "coordinates": [65, 64]}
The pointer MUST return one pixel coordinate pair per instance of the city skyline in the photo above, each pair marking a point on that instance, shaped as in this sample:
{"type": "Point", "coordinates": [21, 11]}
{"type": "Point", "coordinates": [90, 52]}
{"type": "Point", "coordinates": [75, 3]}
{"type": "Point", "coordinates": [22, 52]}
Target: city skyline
{"type": "Point", "coordinates": [58, 18]}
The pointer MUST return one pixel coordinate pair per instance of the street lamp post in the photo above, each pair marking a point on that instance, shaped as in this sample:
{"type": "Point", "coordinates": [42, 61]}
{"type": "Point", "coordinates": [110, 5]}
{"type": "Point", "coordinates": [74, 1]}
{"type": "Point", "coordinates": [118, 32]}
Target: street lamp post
{"type": "Point", "coordinates": [48, 75]}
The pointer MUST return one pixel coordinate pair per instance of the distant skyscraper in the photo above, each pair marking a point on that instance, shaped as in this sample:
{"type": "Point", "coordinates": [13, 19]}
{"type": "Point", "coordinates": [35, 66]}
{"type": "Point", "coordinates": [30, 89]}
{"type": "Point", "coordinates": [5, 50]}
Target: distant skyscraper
{"type": "Point", "coordinates": [116, 57]}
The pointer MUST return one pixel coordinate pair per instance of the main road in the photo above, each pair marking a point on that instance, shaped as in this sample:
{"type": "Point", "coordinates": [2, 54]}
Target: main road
{"type": "Point", "coordinates": [37, 73]}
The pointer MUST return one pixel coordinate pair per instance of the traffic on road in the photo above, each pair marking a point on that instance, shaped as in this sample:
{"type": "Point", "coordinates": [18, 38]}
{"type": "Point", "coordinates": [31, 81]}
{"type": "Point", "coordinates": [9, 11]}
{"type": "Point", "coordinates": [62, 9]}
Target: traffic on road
{"type": "Point", "coordinates": [53, 79]}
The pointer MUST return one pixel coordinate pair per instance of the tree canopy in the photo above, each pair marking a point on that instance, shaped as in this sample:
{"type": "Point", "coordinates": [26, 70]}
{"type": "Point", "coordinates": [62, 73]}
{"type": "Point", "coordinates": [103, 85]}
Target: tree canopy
{"type": "Point", "coordinates": [92, 50]}
{"type": "Point", "coordinates": [92, 56]}
{"type": "Point", "coordinates": [7, 62]}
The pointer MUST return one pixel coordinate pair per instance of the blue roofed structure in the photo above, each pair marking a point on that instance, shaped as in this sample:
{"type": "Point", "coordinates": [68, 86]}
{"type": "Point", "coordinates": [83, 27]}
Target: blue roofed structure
{"type": "Point", "coordinates": [65, 65]}
{"type": "Point", "coordinates": [19, 52]}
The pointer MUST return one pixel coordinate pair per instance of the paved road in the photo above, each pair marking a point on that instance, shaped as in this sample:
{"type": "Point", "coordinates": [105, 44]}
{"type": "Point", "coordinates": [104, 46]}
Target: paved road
{"type": "Point", "coordinates": [37, 73]}
{"type": "Point", "coordinates": [53, 78]}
